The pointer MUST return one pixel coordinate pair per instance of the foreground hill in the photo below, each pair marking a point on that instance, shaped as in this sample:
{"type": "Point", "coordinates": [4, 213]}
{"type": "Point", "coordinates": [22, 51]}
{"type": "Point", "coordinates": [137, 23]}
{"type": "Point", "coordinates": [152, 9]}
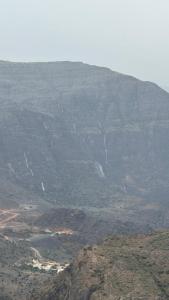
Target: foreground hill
{"type": "Point", "coordinates": [83, 136]}
{"type": "Point", "coordinates": [120, 268]}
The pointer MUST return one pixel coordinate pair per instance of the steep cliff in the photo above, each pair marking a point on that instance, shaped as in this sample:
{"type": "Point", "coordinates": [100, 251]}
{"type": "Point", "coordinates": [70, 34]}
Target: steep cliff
{"type": "Point", "coordinates": [83, 136]}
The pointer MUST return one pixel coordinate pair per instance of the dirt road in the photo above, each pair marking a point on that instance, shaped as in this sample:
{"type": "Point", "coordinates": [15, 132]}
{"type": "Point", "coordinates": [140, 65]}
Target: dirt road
{"type": "Point", "coordinates": [6, 216]}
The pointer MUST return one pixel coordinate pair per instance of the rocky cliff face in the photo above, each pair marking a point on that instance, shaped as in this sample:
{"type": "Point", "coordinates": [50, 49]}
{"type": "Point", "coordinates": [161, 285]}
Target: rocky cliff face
{"type": "Point", "coordinates": [84, 136]}
{"type": "Point", "coordinates": [120, 268]}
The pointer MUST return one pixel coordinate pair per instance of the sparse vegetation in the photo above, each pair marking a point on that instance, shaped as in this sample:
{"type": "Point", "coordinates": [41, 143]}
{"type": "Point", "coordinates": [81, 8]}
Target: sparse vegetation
{"type": "Point", "coordinates": [120, 268]}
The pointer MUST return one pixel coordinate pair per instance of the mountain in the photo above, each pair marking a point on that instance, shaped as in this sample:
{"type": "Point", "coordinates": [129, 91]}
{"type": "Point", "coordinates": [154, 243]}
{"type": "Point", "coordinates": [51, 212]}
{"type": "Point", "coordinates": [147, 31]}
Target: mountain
{"type": "Point", "coordinates": [82, 136]}
{"type": "Point", "coordinates": [120, 268]}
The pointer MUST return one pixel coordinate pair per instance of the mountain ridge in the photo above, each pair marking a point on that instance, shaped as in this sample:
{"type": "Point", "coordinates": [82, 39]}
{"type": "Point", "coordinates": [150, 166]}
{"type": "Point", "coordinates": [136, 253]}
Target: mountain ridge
{"type": "Point", "coordinates": [86, 64]}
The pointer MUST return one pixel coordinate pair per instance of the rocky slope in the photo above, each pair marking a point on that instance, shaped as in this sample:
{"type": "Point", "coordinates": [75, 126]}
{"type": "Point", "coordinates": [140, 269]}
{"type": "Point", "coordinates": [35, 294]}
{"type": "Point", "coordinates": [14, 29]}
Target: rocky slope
{"type": "Point", "coordinates": [83, 136]}
{"type": "Point", "coordinates": [120, 268]}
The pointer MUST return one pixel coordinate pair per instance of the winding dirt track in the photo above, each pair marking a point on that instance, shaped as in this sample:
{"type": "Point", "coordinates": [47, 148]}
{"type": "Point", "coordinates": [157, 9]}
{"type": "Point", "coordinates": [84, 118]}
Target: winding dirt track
{"type": "Point", "coordinates": [8, 216]}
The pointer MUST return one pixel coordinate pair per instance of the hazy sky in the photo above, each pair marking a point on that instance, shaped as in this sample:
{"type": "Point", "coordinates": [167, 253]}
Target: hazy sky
{"type": "Point", "coordinates": [129, 36]}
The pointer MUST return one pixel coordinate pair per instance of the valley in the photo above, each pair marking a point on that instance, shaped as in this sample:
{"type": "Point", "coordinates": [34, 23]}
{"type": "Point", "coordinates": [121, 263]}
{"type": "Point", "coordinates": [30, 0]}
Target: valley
{"type": "Point", "coordinates": [19, 225]}
{"type": "Point", "coordinates": [40, 245]}
{"type": "Point", "coordinates": [22, 265]}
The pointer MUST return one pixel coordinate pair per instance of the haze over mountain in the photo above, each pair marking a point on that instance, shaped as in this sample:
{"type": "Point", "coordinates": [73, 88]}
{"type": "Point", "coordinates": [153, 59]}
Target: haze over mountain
{"type": "Point", "coordinates": [128, 36]}
{"type": "Point", "coordinates": [83, 136]}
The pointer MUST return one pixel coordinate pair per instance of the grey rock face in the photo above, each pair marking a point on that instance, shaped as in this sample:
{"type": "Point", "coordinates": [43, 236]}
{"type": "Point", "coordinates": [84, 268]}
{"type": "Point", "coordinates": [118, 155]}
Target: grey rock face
{"type": "Point", "coordinates": [80, 135]}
